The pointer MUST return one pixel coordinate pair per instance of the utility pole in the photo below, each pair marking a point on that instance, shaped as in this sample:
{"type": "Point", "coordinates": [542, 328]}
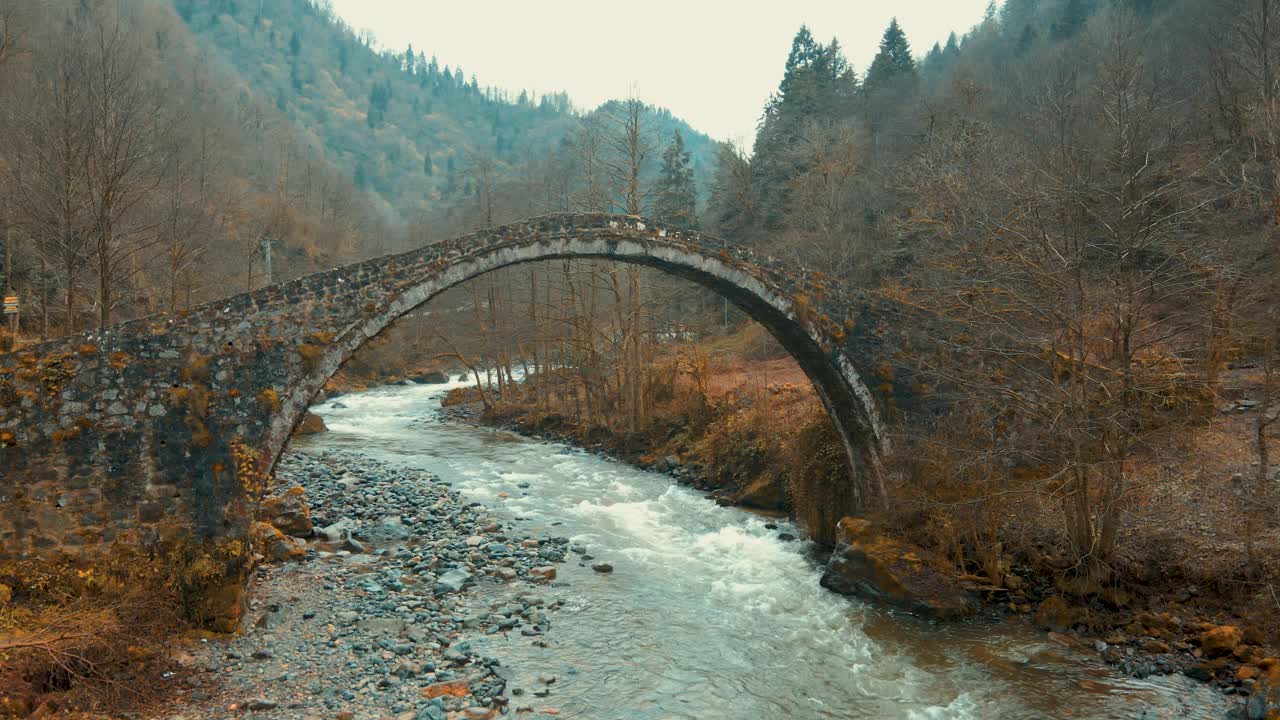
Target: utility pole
{"type": "Point", "coordinates": [266, 258]}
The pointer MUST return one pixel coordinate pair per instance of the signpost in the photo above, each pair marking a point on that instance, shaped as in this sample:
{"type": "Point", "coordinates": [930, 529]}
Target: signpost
{"type": "Point", "coordinates": [11, 309]}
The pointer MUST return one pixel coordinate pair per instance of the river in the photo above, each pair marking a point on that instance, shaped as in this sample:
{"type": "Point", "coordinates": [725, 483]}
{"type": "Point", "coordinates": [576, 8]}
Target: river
{"type": "Point", "coordinates": [709, 613]}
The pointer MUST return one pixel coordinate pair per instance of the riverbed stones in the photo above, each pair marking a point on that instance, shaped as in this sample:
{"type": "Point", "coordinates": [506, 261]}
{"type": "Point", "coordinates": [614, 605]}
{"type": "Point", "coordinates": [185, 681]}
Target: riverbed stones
{"type": "Point", "coordinates": [871, 565]}
{"type": "Point", "coordinates": [365, 632]}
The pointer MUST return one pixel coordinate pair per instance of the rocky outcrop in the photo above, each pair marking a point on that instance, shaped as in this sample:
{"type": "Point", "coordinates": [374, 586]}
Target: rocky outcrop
{"type": "Point", "coordinates": [870, 565]}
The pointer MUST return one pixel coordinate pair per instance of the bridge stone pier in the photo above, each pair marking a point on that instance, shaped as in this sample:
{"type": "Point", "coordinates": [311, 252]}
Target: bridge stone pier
{"type": "Point", "coordinates": [165, 427]}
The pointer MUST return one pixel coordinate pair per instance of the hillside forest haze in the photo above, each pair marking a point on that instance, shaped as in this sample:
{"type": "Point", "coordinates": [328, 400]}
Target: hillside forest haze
{"type": "Point", "coordinates": [381, 359]}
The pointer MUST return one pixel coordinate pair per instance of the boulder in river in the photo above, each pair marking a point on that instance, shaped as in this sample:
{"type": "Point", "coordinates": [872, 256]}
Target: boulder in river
{"type": "Point", "coordinates": [545, 573]}
{"type": "Point", "coordinates": [765, 492]}
{"type": "Point", "coordinates": [310, 425]}
{"type": "Point", "coordinates": [868, 564]}
{"type": "Point", "coordinates": [435, 377]}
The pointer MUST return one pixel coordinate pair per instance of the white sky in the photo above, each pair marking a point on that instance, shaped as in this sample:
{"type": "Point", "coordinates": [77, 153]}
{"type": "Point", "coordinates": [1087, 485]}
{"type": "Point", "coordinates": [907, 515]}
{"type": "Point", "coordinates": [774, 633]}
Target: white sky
{"type": "Point", "coordinates": [711, 62]}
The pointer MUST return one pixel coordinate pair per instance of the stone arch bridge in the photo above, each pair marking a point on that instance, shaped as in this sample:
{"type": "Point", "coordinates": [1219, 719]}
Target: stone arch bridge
{"type": "Point", "coordinates": [162, 427]}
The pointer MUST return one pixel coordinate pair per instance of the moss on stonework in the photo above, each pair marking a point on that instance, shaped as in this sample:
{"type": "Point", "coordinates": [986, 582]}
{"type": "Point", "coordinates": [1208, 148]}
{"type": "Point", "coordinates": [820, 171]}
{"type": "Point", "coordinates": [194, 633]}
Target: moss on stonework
{"type": "Point", "coordinates": [198, 580]}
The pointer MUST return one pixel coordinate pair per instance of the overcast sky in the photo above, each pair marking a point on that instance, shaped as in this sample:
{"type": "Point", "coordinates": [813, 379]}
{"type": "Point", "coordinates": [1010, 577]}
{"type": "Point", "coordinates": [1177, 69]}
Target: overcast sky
{"type": "Point", "coordinates": [711, 62]}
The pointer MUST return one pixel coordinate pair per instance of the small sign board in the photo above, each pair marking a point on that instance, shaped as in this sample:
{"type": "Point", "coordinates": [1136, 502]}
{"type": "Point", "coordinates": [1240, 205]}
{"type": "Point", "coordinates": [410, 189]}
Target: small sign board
{"type": "Point", "coordinates": [10, 304]}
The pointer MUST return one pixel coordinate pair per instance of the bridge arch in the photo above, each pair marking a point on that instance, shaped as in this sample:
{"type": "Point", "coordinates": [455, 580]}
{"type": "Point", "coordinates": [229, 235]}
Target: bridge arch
{"type": "Point", "coordinates": [838, 383]}
{"type": "Point", "coordinates": [161, 426]}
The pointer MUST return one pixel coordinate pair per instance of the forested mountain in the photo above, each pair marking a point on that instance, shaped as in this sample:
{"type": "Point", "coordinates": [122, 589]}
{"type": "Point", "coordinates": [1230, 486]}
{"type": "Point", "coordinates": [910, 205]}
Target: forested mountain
{"type": "Point", "coordinates": [140, 176]}
{"type": "Point", "coordinates": [405, 125]}
{"type": "Point", "coordinates": [265, 124]}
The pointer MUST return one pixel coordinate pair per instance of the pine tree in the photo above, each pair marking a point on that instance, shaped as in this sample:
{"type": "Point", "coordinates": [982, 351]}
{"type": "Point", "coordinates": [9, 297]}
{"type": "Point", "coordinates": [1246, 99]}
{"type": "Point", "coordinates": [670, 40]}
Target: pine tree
{"type": "Point", "coordinates": [817, 84]}
{"type": "Point", "coordinates": [379, 98]}
{"type": "Point", "coordinates": [934, 57]}
{"type": "Point", "coordinates": [675, 200]}
{"type": "Point", "coordinates": [295, 44]}
{"type": "Point", "coordinates": [797, 78]}
{"type": "Point", "coordinates": [952, 51]}
{"type": "Point", "coordinates": [894, 61]}
{"type": "Point", "coordinates": [427, 169]}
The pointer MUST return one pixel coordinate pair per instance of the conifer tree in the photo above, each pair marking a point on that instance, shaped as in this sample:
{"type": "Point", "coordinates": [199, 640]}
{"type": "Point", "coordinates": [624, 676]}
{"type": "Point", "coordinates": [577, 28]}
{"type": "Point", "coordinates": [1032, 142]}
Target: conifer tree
{"type": "Point", "coordinates": [894, 61]}
{"type": "Point", "coordinates": [952, 50]}
{"type": "Point", "coordinates": [675, 200]}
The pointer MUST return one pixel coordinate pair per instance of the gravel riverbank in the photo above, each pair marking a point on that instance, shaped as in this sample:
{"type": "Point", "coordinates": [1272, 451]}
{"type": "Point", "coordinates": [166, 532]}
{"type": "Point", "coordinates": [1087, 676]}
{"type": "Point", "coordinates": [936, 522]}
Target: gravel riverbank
{"type": "Point", "coordinates": [377, 620]}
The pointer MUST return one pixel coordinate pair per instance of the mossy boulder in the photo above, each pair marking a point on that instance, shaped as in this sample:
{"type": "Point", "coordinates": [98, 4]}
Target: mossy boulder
{"type": "Point", "coordinates": [274, 545]}
{"type": "Point", "coordinates": [1221, 640]}
{"type": "Point", "coordinates": [287, 511]}
{"type": "Point", "coordinates": [869, 564]}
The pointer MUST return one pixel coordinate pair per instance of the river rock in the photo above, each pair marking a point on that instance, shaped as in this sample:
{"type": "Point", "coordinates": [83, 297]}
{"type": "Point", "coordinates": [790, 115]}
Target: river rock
{"type": "Point", "coordinates": [1264, 702]}
{"type": "Point", "coordinates": [1058, 615]}
{"type": "Point", "coordinates": [1220, 641]}
{"type": "Point", "coordinates": [870, 565]}
{"type": "Point", "coordinates": [288, 512]}
{"type": "Point", "coordinates": [450, 688]}
{"type": "Point", "coordinates": [452, 581]}
{"type": "Point", "coordinates": [602, 568]}
{"type": "Point", "coordinates": [274, 545]}
{"type": "Point", "coordinates": [767, 492]}
{"type": "Point", "coordinates": [435, 377]}
{"type": "Point", "coordinates": [311, 424]}
{"type": "Point", "coordinates": [335, 532]}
